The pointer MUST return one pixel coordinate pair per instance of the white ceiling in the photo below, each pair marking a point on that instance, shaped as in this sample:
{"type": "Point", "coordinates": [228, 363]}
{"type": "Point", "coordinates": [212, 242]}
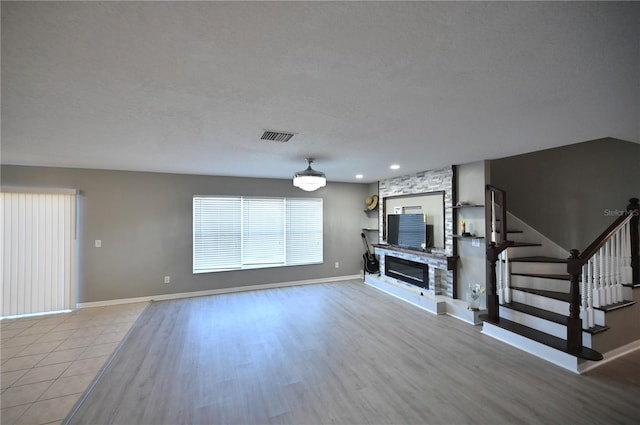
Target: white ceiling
{"type": "Point", "coordinates": [189, 87]}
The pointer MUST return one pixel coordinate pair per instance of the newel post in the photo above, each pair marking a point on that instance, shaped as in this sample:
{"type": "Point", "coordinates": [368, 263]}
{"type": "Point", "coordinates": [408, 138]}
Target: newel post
{"type": "Point", "coordinates": [574, 323]}
{"type": "Point", "coordinates": [492, 290]}
{"type": "Point", "coordinates": [634, 209]}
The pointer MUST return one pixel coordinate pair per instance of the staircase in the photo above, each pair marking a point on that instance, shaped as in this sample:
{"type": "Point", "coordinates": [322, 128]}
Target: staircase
{"type": "Point", "coordinates": [557, 305]}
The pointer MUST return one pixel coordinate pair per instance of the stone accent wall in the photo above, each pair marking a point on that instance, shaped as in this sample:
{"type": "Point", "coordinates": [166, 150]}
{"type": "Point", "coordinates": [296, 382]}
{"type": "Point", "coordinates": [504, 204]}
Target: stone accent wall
{"type": "Point", "coordinates": [440, 179]}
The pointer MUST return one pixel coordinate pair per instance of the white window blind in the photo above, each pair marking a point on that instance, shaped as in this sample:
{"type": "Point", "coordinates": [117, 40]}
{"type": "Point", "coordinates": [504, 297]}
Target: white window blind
{"type": "Point", "coordinates": [231, 233]}
{"type": "Point", "coordinates": [263, 240]}
{"type": "Point", "coordinates": [304, 241]}
{"type": "Point", "coordinates": [38, 251]}
{"type": "Point", "coordinates": [217, 234]}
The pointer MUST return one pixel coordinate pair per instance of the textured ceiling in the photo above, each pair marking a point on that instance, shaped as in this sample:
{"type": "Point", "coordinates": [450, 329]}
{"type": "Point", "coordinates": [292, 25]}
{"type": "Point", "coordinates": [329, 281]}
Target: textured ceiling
{"type": "Point", "coordinates": [188, 87]}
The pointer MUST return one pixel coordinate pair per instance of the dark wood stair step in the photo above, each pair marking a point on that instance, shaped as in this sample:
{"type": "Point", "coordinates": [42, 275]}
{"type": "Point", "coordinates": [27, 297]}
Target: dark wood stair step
{"type": "Point", "coordinates": [521, 244]}
{"type": "Point", "coordinates": [543, 338]}
{"type": "Point", "coordinates": [511, 231]}
{"type": "Point", "coordinates": [561, 296]}
{"type": "Point", "coordinates": [549, 315]}
{"type": "Point", "coordinates": [544, 275]}
{"type": "Point", "coordinates": [537, 259]}
{"type": "Point", "coordinates": [596, 329]}
{"type": "Point", "coordinates": [616, 306]}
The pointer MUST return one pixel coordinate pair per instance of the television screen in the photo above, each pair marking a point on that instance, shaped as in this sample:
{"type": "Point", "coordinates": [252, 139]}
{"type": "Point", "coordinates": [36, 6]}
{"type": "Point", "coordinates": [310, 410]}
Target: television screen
{"type": "Point", "coordinates": [407, 230]}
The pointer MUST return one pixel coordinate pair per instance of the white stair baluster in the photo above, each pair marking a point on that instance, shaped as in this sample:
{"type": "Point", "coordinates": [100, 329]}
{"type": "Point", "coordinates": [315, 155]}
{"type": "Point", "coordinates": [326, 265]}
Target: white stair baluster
{"type": "Point", "coordinates": [507, 278]}
{"type": "Point", "coordinates": [583, 299]}
{"type": "Point", "coordinates": [597, 293]}
{"type": "Point", "coordinates": [602, 274]}
{"type": "Point", "coordinates": [590, 312]}
{"type": "Point", "coordinates": [607, 272]}
{"type": "Point", "coordinates": [617, 287]}
{"type": "Point", "coordinates": [627, 271]}
{"type": "Point", "coordinates": [500, 278]}
{"type": "Point", "coordinates": [493, 217]}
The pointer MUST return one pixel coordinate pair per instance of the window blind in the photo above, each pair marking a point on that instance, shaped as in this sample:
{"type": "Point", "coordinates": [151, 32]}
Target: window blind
{"type": "Point", "coordinates": [38, 251]}
{"type": "Point", "coordinates": [304, 231]}
{"type": "Point", "coordinates": [263, 240]}
{"type": "Point", "coordinates": [217, 234]}
{"type": "Point", "coordinates": [233, 233]}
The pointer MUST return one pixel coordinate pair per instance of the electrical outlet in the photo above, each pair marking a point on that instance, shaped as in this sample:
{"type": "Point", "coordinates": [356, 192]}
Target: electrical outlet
{"type": "Point", "coordinates": [167, 279]}
{"type": "Point", "coordinates": [475, 242]}
{"type": "Point", "coordinates": [337, 265]}
{"type": "Point", "coordinates": [98, 243]}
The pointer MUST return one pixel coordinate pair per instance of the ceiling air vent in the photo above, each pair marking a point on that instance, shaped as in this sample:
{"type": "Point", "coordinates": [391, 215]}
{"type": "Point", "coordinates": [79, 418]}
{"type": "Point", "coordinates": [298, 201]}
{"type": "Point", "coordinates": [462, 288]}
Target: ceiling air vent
{"type": "Point", "coordinates": [276, 136]}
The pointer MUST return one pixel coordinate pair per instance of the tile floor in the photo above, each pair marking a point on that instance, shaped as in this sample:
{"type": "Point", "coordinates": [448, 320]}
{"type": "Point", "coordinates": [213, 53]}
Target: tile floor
{"type": "Point", "coordinates": [47, 362]}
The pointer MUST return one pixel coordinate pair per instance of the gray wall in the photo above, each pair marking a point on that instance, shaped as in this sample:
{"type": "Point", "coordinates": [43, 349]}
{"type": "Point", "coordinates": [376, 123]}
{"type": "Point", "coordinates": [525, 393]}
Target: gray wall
{"type": "Point", "coordinates": [565, 192]}
{"type": "Point", "coordinates": [145, 223]}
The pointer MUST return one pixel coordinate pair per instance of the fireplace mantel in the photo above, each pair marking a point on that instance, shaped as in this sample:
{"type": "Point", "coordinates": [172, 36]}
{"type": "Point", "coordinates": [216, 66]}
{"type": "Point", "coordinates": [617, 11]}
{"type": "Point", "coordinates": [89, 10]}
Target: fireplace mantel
{"type": "Point", "coordinates": [434, 253]}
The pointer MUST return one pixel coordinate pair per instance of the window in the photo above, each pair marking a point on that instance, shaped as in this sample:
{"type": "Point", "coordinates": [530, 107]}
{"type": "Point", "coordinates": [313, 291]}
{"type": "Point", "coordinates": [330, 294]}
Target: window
{"type": "Point", "coordinates": [239, 232]}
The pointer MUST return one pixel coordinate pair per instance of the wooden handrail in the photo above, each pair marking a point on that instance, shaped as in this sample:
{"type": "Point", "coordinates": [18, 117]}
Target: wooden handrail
{"type": "Point", "coordinates": [577, 260]}
{"type": "Point", "coordinates": [599, 242]}
{"type": "Point", "coordinates": [500, 199]}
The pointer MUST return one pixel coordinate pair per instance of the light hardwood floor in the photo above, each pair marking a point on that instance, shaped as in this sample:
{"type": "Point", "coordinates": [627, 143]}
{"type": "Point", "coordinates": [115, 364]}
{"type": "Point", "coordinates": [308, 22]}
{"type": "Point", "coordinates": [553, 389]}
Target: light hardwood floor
{"type": "Point", "coordinates": [340, 353]}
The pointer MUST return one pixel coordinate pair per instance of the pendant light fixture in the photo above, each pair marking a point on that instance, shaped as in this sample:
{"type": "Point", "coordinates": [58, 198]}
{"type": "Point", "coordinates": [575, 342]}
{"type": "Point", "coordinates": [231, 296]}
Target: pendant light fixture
{"type": "Point", "coordinates": [309, 179]}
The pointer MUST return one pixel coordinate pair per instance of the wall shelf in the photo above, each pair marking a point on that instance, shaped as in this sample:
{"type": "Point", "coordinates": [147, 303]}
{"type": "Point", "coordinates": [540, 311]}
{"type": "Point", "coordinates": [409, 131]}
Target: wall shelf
{"type": "Point", "coordinates": [467, 237]}
{"type": "Point", "coordinates": [457, 207]}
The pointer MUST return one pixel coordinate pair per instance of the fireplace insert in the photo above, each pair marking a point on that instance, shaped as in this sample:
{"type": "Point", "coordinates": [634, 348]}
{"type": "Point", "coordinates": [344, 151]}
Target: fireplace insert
{"type": "Point", "coordinates": [407, 271]}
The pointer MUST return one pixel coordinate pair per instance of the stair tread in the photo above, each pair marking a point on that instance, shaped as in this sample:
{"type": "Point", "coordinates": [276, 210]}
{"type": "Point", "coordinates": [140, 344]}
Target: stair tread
{"type": "Point", "coordinates": [596, 329]}
{"type": "Point", "coordinates": [544, 275]}
{"type": "Point", "coordinates": [549, 315]}
{"type": "Point", "coordinates": [520, 244]}
{"type": "Point", "coordinates": [562, 296]}
{"type": "Point", "coordinates": [616, 306]}
{"type": "Point", "coordinates": [537, 259]}
{"type": "Point", "coordinates": [543, 338]}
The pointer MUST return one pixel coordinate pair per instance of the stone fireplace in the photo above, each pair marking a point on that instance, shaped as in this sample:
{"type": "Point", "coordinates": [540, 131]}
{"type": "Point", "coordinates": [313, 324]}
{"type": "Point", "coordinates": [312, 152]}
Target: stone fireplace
{"type": "Point", "coordinates": [426, 270]}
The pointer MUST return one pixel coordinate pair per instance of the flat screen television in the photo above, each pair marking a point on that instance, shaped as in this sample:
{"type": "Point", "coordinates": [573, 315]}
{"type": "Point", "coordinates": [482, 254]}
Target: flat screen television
{"type": "Point", "coordinates": [407, 231]}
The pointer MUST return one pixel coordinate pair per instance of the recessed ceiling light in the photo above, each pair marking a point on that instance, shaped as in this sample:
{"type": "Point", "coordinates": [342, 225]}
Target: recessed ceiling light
{"type": "Point", "coordinates": [359, 176]}
{"type": "Point", "coordinates": [394, 167]}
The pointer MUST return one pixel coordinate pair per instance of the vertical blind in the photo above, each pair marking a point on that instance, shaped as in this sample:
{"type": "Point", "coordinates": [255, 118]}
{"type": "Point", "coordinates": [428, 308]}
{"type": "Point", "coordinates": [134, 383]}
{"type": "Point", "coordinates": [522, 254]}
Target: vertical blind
{"type": "Point", "coordinates": [239, 232]}
{"type": "Point", "coordinates": [38, 251]}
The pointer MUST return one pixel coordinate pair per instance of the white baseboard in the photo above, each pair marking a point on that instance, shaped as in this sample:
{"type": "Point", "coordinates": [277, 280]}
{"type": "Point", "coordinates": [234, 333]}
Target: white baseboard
{"type": "Point", "coordinates": [459, 309]}
{"type": "Point", "coordinates": [610, 355]}
{"type": "Point", "coordinates": [179, 295]}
